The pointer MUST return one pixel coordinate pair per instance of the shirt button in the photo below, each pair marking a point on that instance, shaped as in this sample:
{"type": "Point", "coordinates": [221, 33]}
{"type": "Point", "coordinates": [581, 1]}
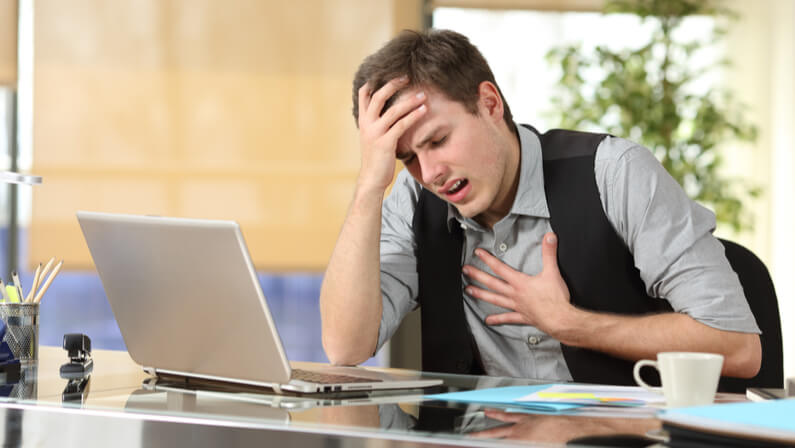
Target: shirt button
{"type": "Point", "coordinates": [533, 340]}
{"type": "Point", "coordinates": [503, 247]}
{"type": "Point", "coordinates": [463, 226]}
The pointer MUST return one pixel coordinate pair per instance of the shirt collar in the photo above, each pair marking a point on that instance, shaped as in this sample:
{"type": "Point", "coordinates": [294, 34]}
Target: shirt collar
{"type": "Point", "coordinates": [530, 197]}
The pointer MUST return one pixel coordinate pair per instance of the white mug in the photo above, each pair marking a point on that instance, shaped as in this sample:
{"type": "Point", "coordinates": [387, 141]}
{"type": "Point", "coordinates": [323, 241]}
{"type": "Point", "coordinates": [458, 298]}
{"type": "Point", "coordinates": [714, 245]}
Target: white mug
{"type": "Point", "coordinates": [688, 379]}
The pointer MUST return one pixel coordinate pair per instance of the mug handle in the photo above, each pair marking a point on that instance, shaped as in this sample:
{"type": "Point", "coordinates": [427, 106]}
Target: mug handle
{"type": "Point", "coordinates": [636, 374]}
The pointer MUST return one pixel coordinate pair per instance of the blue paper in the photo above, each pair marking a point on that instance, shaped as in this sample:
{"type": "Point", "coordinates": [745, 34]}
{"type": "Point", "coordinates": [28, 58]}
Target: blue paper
{"type": "Point", "coordinates": [506, 396]}
{"type": "Point", "coordinates": [770, 414]}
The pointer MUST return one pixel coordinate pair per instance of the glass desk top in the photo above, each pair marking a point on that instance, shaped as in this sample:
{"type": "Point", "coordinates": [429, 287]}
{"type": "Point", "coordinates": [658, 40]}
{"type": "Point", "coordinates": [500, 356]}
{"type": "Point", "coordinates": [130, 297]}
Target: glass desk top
{"type": "Point", "coordinates": [119, 395]}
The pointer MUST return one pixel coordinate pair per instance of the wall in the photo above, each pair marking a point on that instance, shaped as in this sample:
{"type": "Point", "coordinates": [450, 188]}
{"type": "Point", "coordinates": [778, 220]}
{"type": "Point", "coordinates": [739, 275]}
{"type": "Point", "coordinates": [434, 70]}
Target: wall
{"type": "Point", "coordinates": [234, 110]}
{"type": "Point", "coordinates": [8, 42]}
{"type": "Point", "coordinates": [762, 45]}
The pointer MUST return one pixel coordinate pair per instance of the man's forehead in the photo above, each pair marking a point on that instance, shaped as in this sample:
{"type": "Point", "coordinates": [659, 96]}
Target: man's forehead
{"type": "Point", "coordinates": [421, 131]}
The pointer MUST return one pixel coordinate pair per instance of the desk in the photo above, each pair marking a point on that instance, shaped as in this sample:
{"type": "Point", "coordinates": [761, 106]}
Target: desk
{"type": "Point", "coordinates": [124, 407]}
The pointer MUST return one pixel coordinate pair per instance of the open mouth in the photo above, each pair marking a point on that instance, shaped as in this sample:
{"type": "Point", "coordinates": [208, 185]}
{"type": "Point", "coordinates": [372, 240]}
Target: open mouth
{"type": "Point", "coordinates": [460, 184]}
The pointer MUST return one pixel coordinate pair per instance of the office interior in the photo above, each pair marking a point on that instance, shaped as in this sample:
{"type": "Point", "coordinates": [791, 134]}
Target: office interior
{"type": "Point", "coordinates": [241, 110]}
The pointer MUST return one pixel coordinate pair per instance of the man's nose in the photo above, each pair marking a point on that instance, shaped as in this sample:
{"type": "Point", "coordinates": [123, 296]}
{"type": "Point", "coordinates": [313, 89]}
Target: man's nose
{"type": "Point", "coordinates": [432, 168]}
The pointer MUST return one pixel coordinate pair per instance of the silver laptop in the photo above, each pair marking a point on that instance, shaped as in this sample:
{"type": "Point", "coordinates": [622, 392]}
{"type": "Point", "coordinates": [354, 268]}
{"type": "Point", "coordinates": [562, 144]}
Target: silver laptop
{"type": "Point", "coordinates": [188, 303]}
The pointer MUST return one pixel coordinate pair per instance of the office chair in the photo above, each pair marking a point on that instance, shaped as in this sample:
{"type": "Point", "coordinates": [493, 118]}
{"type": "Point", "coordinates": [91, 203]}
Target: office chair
{"type": "Point", "coordinates": [761, 295]}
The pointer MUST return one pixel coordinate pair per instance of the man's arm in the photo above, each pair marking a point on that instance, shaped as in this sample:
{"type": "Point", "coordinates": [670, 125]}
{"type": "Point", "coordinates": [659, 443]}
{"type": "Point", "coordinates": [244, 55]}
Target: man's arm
{"type": "Point", "coordinates": [543, 301]}
{"type": "Point", "coordinates": [642, 337]}
{"type": "Point", "coordinates": [350, 297]}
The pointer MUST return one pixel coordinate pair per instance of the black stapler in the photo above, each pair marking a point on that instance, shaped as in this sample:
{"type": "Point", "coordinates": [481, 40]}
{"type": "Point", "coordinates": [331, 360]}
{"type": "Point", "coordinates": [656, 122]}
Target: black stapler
{"type": "Point", "coordinates": [80, 363]}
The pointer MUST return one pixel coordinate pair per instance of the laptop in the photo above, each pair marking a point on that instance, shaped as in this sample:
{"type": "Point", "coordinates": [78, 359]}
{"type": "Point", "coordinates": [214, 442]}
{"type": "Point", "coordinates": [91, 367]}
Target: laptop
{"type": "Point", "coordinates": [186, 297]}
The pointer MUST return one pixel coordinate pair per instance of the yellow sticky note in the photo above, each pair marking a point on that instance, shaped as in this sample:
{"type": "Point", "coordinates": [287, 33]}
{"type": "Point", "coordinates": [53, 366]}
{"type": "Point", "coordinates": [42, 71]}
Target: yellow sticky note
{"type": "Point", "coordinates": [12, 293]}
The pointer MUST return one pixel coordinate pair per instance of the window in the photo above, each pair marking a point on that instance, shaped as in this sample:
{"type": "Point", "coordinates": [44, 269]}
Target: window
{"type": "Point", "coordinates": [515, 43]}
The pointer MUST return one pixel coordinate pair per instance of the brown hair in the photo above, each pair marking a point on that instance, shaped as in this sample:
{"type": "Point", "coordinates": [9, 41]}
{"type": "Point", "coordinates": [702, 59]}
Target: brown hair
{"type": "Point", "coordinates": [441, 59]}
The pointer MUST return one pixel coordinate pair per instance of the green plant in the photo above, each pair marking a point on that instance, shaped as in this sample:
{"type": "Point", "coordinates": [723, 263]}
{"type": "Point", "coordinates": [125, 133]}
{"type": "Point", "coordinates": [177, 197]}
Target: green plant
{"type": "Point", "coordinates": [645, 93]}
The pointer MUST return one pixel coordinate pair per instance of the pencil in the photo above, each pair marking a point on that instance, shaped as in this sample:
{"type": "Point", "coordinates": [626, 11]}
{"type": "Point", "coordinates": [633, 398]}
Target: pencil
{"type": "Point", "coordinates": [34, 285]}
{"type": "Point", "coordinates": [43, 274]}
{"type": "Point", "coordinates": [47, 283]}
{"type": "Point", "coordinates": [46, 269]}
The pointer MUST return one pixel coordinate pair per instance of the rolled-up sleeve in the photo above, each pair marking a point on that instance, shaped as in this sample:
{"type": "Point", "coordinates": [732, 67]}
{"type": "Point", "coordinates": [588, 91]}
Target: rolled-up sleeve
{"type": "Point", "coordinates": [670, 237]}
{"type": "Point", "coordinates": [399, 280]}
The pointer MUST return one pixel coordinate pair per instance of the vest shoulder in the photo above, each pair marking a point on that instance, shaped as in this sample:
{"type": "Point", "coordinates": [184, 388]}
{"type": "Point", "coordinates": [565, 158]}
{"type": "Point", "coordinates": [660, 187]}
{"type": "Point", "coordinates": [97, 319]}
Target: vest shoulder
{"type": "Point", "coordinates": [564, 143]}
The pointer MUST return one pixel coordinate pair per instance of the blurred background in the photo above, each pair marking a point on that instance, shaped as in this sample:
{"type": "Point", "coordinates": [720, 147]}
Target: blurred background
{"type": "Point", "coordinates": [242, 110]}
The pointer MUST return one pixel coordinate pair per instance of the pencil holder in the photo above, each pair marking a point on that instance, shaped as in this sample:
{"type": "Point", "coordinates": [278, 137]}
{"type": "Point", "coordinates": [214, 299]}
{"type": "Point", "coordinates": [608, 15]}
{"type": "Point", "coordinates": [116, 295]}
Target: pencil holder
{"type": "Point", "coordinates": [24, 388]}
{"type": "Point", "coordinates": [21, 330]}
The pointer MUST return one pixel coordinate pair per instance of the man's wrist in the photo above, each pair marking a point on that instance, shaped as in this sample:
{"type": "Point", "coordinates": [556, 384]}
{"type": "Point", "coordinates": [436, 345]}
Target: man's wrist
{"type": "Point", "coordinates": [368, 189]}
{"type": "Point", "coordinates": [368, 195]}
{"type": "Point", "coordinates": [573, 326]}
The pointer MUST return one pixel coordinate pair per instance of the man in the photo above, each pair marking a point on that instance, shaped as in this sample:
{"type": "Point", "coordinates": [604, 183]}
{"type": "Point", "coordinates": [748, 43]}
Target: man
{"type": "Point", "coordinates": [556, 256]}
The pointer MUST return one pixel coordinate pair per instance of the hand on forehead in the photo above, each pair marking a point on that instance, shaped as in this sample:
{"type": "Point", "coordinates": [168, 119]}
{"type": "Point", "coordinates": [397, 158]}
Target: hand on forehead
{"type": "Point", "coordinates": [401, 95]}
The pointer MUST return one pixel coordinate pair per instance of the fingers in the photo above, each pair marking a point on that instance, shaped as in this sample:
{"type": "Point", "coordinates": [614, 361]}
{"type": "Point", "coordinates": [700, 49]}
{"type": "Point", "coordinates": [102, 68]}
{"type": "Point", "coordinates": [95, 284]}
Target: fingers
{"type": "Point", "coordinates": [489, 281]}
{"type": "Point", "coordinates": [396, 130]}
{"type": "Point", "coordinates": [495, 433]}
{"type": "Point", "coordinates": [402, 106]}
{"type": "Point", "coordinates": [513, 318]}
{"type": "Point", "coordinates": [380, 97]}
{"type": "Point", "coordinates": [400, 116]}
{"type": "Point", "coordinates": [549, 253]}
{"type": "Point", "coordinates": [491, 297]}
{"type": "Point", "coordinates": [364, 102]}
{"type": "Point", "coordinates": [497, 266]}
{"type": "Point", "coordinates": [504, 416]}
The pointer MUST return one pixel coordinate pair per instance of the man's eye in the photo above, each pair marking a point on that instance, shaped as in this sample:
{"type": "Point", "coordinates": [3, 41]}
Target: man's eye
{"type": "Point", "coordinates": [437, 143]}
{"type": "Point", "coordinates": [406, 158]}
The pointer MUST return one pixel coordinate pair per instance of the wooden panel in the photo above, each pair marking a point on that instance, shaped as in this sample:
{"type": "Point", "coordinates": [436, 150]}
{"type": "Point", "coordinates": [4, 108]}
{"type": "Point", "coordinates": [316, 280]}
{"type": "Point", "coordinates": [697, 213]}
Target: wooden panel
{"type": "Point", "coordinates": [538, 5]}
{"type": "Point", "coordinates": [8, 42]}
{"type": "Point", "coordinates": [408, 15]}
{"type": "Point", "coordinates": [231, 110]}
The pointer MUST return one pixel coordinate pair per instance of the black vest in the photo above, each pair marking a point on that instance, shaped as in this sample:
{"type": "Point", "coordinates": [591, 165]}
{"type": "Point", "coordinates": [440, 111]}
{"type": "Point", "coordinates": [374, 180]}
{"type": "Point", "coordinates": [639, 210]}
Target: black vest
{"type": "Point", "coordinates": [594, 261]}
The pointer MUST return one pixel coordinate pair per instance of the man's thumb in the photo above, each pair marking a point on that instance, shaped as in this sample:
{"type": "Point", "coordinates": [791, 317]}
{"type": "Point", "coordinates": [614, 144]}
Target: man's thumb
{"type": "Point", "coordinates": [549, 251]}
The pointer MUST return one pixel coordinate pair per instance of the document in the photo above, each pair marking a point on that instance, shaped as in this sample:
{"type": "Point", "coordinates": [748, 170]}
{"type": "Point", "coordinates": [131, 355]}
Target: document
{"type": "Point", "coordinates": [553, 398]}
{"type": "Point", "coordinates": [594, 395]}
{"type": "Point", "coordinates": [770, 420]}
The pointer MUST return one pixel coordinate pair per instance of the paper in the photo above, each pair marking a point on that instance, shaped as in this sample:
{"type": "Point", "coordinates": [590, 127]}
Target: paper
{"type": "Point", "coordinates": [505, 396]}
{"type": "Point", "coordinates": [769, 420]}
{"type": "Point", "coordinates": [13, 297]}
{"type": "Point", "coordinates": [556, 397]}
{"type": "Point", "coordinates": [594, 395]}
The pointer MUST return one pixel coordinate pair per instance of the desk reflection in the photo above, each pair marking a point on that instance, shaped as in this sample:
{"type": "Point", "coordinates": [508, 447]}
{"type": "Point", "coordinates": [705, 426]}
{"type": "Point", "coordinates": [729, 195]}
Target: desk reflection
{"type": "Point", "coordinates": [214, 406]}
{"type": "Point", "coordinates": [417, 417]}
{"type": "Point", "coordinates": [563, 428]}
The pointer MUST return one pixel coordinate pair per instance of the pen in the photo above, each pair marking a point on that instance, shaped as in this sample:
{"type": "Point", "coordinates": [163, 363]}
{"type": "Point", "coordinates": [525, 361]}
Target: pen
{"type": "Point", "coordinates": [3, 291]}
{"type": "Point", "coordinates": [34, 285]}
{"type": "Point", "coordinates": [18, 285]}
{"type": "Point", "coordinates": [47, 283]}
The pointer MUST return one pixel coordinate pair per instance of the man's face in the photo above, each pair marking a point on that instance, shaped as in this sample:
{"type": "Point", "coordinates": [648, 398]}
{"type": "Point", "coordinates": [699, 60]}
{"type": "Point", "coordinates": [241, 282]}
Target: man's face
{"type": "Point", "coordinates": [463, 158]}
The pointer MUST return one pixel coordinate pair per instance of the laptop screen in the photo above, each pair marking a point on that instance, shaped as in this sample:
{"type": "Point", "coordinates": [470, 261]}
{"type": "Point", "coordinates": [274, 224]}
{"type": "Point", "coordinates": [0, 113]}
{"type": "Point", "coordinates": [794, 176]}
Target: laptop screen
{"type": "Point", "coordinates": [186, 296]}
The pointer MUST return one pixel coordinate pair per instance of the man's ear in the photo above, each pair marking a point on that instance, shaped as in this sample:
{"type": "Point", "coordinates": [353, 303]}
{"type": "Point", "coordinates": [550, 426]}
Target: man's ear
{"type": "Point", "coordinates": [490, 101]}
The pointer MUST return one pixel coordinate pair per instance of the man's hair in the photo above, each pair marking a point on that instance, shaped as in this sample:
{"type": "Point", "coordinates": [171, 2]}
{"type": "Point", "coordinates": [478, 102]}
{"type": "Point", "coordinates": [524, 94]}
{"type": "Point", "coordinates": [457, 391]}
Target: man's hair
{"type": "Point", "coordinates": [440, 59]}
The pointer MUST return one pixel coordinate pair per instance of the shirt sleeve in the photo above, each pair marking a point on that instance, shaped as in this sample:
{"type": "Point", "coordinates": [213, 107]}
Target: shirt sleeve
{"type": "Point", "coordinates": [399, 279]}
{"type": "Point", "coordinates": [670, 237]}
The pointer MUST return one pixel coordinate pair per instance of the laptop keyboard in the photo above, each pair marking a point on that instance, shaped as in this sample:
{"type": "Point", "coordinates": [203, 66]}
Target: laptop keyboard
{"type": "Point", "coordinates": [328, 378]}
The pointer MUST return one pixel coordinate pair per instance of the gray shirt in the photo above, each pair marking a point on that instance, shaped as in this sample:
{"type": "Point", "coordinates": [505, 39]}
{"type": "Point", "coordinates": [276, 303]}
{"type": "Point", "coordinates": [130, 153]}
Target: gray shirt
{"type": "Point", "coordinates": [675, 252]}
